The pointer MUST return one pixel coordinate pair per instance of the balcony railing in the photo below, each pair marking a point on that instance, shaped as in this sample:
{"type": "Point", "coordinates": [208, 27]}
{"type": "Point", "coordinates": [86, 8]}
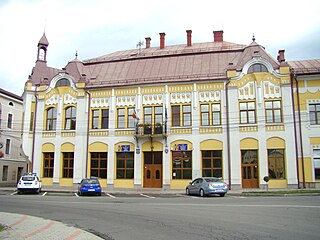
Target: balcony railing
{"type": "Point", "coordinates": [148, 129]}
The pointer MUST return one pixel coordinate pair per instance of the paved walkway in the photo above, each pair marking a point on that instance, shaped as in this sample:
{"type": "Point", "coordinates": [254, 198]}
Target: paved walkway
{"type": "Point", "coordinates": [20, 227]}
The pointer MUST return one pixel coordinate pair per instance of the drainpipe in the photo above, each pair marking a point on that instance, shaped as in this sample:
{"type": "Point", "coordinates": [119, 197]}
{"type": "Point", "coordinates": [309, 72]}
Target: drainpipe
{"type": "Point", "coordinates": [228, 133]}
{"type": "Point", "coordinates": [295, 128]}
{"type": "Point", "coordinates": [300, 130]}
{"type": "Point", "coordinates": [88, 126]}
{"type": "Point", "coordinates": [34, 126]}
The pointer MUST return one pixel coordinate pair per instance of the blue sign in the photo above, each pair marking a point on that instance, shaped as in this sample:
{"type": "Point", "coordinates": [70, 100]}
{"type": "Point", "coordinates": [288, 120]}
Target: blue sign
{"type": "Point", "coordinates": [125, 148]}
{"type": "Point", "coordinates": [182, 147]}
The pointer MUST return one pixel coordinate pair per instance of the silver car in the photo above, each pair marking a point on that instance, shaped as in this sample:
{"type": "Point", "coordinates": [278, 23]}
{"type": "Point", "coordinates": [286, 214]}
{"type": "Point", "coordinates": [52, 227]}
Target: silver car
{"type": "Point", "coordinates": [207, 185]}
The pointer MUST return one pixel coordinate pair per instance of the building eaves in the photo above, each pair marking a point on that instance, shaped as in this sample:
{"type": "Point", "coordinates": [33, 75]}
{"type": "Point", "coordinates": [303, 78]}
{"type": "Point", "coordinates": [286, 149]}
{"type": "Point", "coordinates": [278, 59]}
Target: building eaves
{"type": "Point", "coordinates": [305, 66]}
{"type": "Point", "coordinates": [10, 94]}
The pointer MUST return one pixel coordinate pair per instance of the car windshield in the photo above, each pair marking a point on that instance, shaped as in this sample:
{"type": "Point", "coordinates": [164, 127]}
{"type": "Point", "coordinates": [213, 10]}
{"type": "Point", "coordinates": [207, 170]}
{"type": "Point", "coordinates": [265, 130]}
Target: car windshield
{"type": "Point", "coordinates": [92, 181]}
{"type": "Point", "coordinates": [213, 180]}
{"type": "Point", "coordinates": [28, 178]}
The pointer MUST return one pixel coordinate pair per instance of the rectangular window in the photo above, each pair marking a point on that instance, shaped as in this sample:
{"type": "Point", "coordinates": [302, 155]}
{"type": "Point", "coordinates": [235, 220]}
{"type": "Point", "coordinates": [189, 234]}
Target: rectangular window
{"type": "Point", "coordinates": [48, 162]}
{"type": "Point", "coordinates": [31, 121]}
{"type": "Point", "coordinates": [205, 113]}
{"type": "Point", "coordinates": [247, 112]}
{"type": "Point", "coordinates": [5, 173]}
{"type": "Point", "coordinates": [68, 164]}
{"type": "Point", "coordinates": [210, 114]}
{"type": "Point", "coordinates": [125, 165]}
{"type": "Point", "coordinates": [314, 113]}
{"type": "Point", "coordinates": [216, 114]}
{"type": "Point", "coordinates": [131, 121]}
{"type": "Point", "coordinates": [158, 115]}
{"type": "Point", "coordinates": [8, 145]}
{"type": "Point", "coordinates": [147, 115]}
{"type": "Point", "coordinates": [175, 112]}
{"type": "Point", "coordinates": [316, 162]}
{"type": "Point", "coordinates": [9, 125]}
{"type": "Point", "coordinates": [99, 162]}
{"type": "Point", "coordinates": [186, 109]}
{"type": "Point", "coordinates": [276, 163]}
{"type": "Point", "coordinates": [51, 119]}
{"type": "Point", "coordinates": [105, 119]}
{"type": "Point", "coordinates": [121, 116]}
{"type": "Point", "coordinates": [273, 112]}
{"type": "Point", "coordinates": [182, 164]}
{"type": "Point", "coordinates": [95, 119]}
{"type": "Point", "coordinates": [212, 163]}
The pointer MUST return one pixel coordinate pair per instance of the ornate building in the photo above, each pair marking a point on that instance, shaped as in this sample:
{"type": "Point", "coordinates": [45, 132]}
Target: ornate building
{"type": "Point", "coordinates": [158, 117]}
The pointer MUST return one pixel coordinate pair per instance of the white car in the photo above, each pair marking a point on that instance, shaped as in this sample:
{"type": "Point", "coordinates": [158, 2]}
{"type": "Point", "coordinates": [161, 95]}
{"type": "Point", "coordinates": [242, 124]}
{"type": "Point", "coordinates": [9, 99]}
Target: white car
{"type": "Point", "coordinates": [29, 183]}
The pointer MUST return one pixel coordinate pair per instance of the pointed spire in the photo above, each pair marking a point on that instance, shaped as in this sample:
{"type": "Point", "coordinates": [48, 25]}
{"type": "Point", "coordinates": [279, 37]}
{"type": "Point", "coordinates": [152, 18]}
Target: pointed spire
{"type": "Point", "coordinates": [43, 40]}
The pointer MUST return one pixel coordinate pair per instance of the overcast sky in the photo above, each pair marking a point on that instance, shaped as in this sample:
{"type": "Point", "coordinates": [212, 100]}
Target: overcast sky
{"type": "Point", "coordinates": [98, 27]}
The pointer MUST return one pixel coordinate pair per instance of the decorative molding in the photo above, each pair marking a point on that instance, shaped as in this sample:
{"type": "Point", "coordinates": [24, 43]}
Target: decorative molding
{"type": "Point", "coordinates": [210, 96]}
{"type": "Point", "coordinates": [52, 100]}
{"type": "Point", "coordinates": [68, 99]}
{"type": "Point", "coordinates": [270, 90]}
{"type": "Point", "coordinates": [152, 99]}
{"type": "Point", "coordinates": [317, 146]}
{"type": "Point", "coordinates": [311, 101]}
{"type": "Point", "coordinates": [125, 101]}
{"type": "Point", "coordinates": [68, 134]}
{"type": "Point", "coordinates": [210, 130]}
{"type": "Point", "coordinates": [49, 135]}
{"type": "Point", "coordinates": [99, 102]}
{"type": "Point", "coordinates": [274, 128]}
{"type": "Point", "coordinates": [99, 133]}
{"type": "Point", "coordinates": [181, 97]}
{"type": "Point", "coordinates": [181, 130]}
{"type": "Point", "coordinates": [247, 91]}
{"type": "Point", "coordinates": [124, 132]}
{"type": "Point", "coordinates": [249, 129]}
{"type": "Point", "coordinates": [58, 77]}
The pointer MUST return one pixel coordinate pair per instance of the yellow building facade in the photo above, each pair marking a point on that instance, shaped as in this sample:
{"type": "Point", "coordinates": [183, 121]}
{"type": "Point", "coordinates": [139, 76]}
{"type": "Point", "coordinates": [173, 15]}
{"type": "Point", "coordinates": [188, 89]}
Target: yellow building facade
{"type": "Point", "coordinates": [161, 116]}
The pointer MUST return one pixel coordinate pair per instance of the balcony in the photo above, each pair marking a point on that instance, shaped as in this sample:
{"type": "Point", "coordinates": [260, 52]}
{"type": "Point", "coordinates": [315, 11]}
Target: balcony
{"type": "Point", "coordinates": [151, 130]}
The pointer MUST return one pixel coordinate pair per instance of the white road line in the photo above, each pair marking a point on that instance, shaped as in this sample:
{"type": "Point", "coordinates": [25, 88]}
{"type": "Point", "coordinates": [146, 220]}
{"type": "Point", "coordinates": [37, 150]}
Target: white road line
{"type": "Point", "coordinates": [76, 194]}
{"type": "Point", "coordinates": [14, 193]}
{"type": "Point", "coordinates": [44, 194]}
{"type": "Point", "coordinates": [108, 194]}
{"type": "Point", "coordinates": [147, 196]}
{"type": "Point", "coordinates": [238, 197]}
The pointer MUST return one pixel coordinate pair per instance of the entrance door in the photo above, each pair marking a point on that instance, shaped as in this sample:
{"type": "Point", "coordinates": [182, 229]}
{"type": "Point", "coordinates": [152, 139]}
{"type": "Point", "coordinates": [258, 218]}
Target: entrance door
{"type": "Point", "coordinates": [249, 167]}
{"type": "Point", "coordinates": [152, 170]}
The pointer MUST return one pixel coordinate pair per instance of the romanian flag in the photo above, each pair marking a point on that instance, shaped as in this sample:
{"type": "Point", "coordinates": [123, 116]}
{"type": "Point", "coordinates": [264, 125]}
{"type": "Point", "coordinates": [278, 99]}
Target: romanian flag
{"type": "Point", "coordinates": [134, 115]}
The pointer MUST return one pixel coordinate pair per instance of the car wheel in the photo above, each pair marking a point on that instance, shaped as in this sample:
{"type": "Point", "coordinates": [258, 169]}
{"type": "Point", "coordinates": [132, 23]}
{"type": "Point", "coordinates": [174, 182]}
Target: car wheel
{"type": "Point", "coordinates": [187, 191]}
{"type": "Point", "coordinates": [99, 194]}
{"type": "Point", "coordinates": [201, 193]}
{"type": "Point", "coordinates": [222, 194]}
{"type": "Point", "coordinates": [79, 193]}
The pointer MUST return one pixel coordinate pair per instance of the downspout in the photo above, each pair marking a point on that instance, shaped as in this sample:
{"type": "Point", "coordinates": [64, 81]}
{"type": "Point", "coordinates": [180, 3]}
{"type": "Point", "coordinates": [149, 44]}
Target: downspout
{"type": "Point", "coordinates": [228, 133]}
{"type": "Point", "coordinates": [300, 132]}
{"type": "Point", "coordinates": [88, 126]}
{"type": "Point", "coordinates": [34, 126]}
{"type": "Point", "coordinates": [295, 128]}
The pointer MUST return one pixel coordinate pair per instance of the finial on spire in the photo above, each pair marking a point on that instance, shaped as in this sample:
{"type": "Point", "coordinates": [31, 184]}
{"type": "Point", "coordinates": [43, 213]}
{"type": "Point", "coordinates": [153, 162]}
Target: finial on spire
{"type": "Point", "coordinates": [253, 38]}
{"type": "Point", "coordinates": [76, 54]}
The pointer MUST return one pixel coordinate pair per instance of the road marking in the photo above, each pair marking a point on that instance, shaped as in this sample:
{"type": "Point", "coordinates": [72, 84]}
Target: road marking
{"type": "Point", "coordinates": [147, 196]}
{"type": "Point", "coordinates": [14, 193]}
{"type": "Point", "coordinates": [44, 194]}
{"type": "Point", "coordinates": [108, 194]}
{"type": "Point", "coordinates": [76, 194]}
{"type": "Point", "coordinates": [239, 197]}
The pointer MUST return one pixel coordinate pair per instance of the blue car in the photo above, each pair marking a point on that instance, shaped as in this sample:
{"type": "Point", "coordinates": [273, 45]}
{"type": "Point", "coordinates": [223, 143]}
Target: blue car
{"type": "Point", "coordinates": [206, 186]}
{"type": "Point", "coordinates": [89, 186]}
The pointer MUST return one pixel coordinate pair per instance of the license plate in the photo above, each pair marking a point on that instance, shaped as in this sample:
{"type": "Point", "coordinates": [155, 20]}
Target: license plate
{"type": "Point", "coordinates": [91, 190]}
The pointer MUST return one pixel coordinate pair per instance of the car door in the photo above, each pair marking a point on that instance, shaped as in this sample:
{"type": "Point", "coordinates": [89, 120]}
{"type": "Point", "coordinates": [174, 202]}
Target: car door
{"type": "Point", "coordinates": [194, 186]}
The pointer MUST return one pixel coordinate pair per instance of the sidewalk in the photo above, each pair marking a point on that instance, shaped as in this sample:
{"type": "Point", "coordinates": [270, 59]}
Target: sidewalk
{"type": "Point", "coordinates": [20, 227]}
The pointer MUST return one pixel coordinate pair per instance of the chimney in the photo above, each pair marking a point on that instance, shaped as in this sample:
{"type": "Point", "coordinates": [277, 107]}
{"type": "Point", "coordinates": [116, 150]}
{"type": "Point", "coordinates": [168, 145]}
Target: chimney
{"type": "Point", "coordinates": [148, 41]}
{"type": "Point", "coordinates": [281, 56]}
{"type": "Point", "coordinates": [189, 38]}
{"type": "Point", "coordinates": [162, 35]}
{"type": "Point", "coordinates": [218, 36]}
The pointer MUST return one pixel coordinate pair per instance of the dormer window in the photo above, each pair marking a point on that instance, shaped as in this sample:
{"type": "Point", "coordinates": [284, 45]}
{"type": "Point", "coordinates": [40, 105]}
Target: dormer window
{"type": "Point", "coordinates": [63, 83]}
{"type": "Point", "coordinates": [257, 67]}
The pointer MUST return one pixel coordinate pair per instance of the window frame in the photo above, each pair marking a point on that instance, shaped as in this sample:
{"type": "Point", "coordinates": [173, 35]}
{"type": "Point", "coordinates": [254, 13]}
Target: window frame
{"type": "Point", "coordinates": [99, 158]}
{"type": "Point", "coordinates": [48, 170]}
{"type": "Point", "coordinates": [51, 119]}
{"type": "Point", "coordinates": [180, 172]}
{"type": "Point", "coordinates": [275, 173]}
{"type": "Point", "coordinates": [10, 120]}
{"type": "Point", "coordinates": [316, 112]}
{"type": "Point", "coordinates": [8, 146]}
{"type": "Point", "coordinates": [67, 169]}
{"type": "Point", "coordinates": [70, 121]}
{"type": "Point", "coordinates": [273, 110]}
{"type": "Point", "coordinates": [127, 171]}
{"type": "Point", "coordinates": [179, 114]}
{"type": "Point", "coordinates": [247, 112]}
{"type": "Point", "coordinates": [257, 67]}
{"type": "Point", "coordinates": [212, 158]}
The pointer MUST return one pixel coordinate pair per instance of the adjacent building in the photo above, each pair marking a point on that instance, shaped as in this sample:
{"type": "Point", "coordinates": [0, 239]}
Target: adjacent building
{"type": "Point", "coordinates": [12, 161]}
{"type": "Point", "coordinates": [157, 117]}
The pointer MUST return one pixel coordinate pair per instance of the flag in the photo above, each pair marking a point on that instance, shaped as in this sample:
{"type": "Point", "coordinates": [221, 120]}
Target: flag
{"type": "Point", "coordinates": [165, 114]}
{"type": "Point", "coordinates": [134, 115]}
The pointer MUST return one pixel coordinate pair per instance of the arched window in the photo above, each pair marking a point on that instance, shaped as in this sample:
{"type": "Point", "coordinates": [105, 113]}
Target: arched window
{"type": "Point", "coordinates": [51, 119]}
{"type": "Point", "coordinates": [258, 67]}
{"type": "Point", "coordinates": [63, 82]}
{"type": "Point", "coordinates": [70, 118]}
{"type": "Point", "coordinates": [11, 104]}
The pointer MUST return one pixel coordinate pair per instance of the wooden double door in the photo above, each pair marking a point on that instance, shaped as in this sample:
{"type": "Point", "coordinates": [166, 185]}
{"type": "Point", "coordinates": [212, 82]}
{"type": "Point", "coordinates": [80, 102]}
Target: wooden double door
{"type": "Point", "coordinates": [249, 169]}
{"type": "Point", "coordinates": [152, 170]}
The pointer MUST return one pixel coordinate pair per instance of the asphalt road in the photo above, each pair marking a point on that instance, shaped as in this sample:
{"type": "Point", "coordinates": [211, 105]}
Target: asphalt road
{"type": "Point", "coordinates": [146, 217]}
